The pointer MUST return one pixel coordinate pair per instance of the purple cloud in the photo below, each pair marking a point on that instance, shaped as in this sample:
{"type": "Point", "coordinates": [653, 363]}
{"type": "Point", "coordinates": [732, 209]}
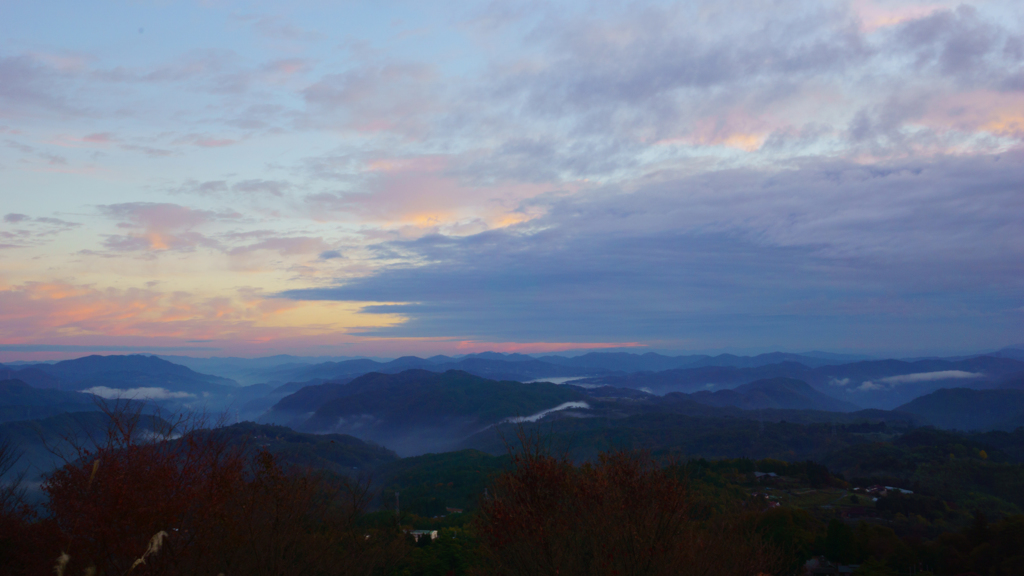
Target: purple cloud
{"type": "Point", "coordinates": [732, 256]}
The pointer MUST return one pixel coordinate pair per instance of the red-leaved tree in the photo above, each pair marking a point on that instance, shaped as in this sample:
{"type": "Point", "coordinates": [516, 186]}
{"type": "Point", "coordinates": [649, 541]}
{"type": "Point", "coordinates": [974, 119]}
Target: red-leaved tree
{"type": "Point", "coordinates": [622, 515]}
{"type": "Point", "coordinates": [182, 499]}
{"type": "Point", "coordinates": [141, 478]}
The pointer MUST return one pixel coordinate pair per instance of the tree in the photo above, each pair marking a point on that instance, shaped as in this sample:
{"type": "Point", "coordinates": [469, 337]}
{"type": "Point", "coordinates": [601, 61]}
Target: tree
{"type": "Point", "coordinates": [23, 537]}
{"type": "Point", "coordinates": [839, 542]}
{"type": "Point", "coordinates": [152, 497]}
{"type": "Point", "coordinates": [142, 477]}
{"type": "Point", "coordinates": [622, 515]}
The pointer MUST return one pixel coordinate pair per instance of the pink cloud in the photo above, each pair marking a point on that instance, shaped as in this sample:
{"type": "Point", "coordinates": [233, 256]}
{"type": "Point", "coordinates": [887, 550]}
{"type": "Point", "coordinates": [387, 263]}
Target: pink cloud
{"type": "Point", "coordinates": [205, 141]}
{"type": "Point", "coordinates": [997, 113]}
{"type": "Point", "coordinates": [62, 313]}
{"type": "Point", "coordinates": [99, 138]}
{"type": "Point", "coordinates": [872, 15]}
{"type": "Point", "coordinates": [160, 226]}
{"type": "Point", "coordinates": [424, 191]}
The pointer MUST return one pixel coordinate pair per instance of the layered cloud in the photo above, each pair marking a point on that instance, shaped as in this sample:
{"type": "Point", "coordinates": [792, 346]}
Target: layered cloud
{"type": "Point", "coordinates": [728, 253]}
{"type": "Point", "coordinates": [22, 230]}
{"type": "Point", "coordinates": [686, 174]}
{"type": "Point", "coordinates": [160, 226]}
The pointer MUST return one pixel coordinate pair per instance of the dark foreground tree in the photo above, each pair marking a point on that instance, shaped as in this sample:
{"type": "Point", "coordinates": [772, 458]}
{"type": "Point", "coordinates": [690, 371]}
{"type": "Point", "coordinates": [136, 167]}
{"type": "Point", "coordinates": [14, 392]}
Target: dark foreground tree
{"type": "Point", "coordinates": [22, 533]}
{"type": "Point", "coordinates": [622, 515]}
{"type": "Point", "coordinates": [180, 500]}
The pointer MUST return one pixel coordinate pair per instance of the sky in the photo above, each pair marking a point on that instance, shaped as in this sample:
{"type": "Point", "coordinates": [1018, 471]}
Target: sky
{"type": "Point", "coordinates": [218, 178]}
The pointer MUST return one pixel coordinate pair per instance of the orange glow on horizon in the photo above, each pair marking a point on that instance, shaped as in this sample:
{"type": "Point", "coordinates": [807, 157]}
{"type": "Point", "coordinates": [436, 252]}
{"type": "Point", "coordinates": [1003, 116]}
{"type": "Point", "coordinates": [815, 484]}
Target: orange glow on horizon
{"type": "Point", "coordinates": [45, 312]}
{"type": "Point", "coordinates": [245, 324]}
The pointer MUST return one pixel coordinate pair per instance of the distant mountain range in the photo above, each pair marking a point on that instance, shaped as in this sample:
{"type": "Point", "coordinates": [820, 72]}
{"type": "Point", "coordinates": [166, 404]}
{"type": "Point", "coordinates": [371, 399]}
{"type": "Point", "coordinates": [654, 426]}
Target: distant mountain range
{"type": "Point", "coordinates": [138, 377]}
{"type": "Point", "coordinates": [249, 370]}
{"type": "Point", "coordinates": [651, 362]}
{"type": "Point", "coordinates": [416, 411]}
{"type": "Point", "coordinates": [786, 393]}
{"type": "Point", "coordinates": [19, 401]}
{"type": "Point", "coordinates": [491, 365]}
{"type": "Point", "coordinates": [42, 443]}
{"type": "Point", "coordinates": [338, 453]}
{"type": "Point", "coordinates": [122, 372]}
{"type": "Point", "coordinates": [870, 383]}
{"type": "Point", "coordinates": [517, 367]}
{"type": "Point", "coordinates": [43, 447]}
{"type": "Point", "coordinates": [343, 418]}
{"type": "Point", "coordinates": [876, 383]}
{"type": "Point", "coordinates": [966, 409]}
{"type": "Point", "coordinates": [414, 404]}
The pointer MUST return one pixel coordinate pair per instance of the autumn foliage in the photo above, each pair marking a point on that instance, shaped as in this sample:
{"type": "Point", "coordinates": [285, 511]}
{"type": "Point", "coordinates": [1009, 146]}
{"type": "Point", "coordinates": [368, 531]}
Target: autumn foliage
{"type": "Point", "coordinates": [622, 515]}
{"type": "Point", "coordinates": [182, 500]}
{"type": "Point", "coordinates": [116, 494]}
{"type": "Point", "coordinates": [155, 498]}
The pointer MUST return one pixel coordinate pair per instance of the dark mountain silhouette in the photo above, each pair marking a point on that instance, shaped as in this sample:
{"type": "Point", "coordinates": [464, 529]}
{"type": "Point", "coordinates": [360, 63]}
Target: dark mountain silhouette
{"type": "Point", "coordinates": [1015, 381]}
{"type": "Point", "coordinates": [123, 372]}
{"type": "Point", "coordinates": [623, 361]}
{"type": "Point", "coordinates": [653, 362]}
{"type": "Point", "coordinates": [513, 357]}
{"type": "Point", "coordinates": [836, 358]}
{"type": "Point", "coordinates": [787, 393]}
{"type": "Point", "coordinates": [877, 383]}
{"type": "Point", "coordinates": [791, 435]}
{"type": "Point", "coordinates": [338, 453]}
{"type": "Point", "coordinates": [515, 370]}
{"type": "Point", "coordinates": [685, 404]}
{"type": "Point", "coordinates": [1011, 353]}
{"type": "Point", "coordinates": [762, 360]}
{"type": "Point", "coordinates": [307, 399]}
{"type": "Point", "coordinates": [43, 444]}
{"type": "Point", "coordinates": [416, 411]}
{"type": "Point", "coordinates": [966, 409]}
{"type": "Point", "coordinates": [19, 401]}
{"type": "Point", "coordinates": [890, 383]}
{"type": "Point", "coordinates": [876, 369]}
{"type": "Point", "coordinates": [249, 370]}
{"type": "Point", "coordinates": [330, 370]}
{"type": "Point", "coordinates": [33, 377]}
{"type": "Point", "coordinates": [694, 379]}
{"type": "Point", "coordinates": [512, 367]}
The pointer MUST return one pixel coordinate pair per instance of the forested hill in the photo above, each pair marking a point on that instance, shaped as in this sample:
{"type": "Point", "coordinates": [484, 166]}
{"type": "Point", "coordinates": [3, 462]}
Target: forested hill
{"type": "Point", "coordinates": [19, 401]}
{"type": "Point", "coordinates": [781, 392]}
{"type": "Point", "coordinates": [335, 452]}
{"type": "Point", "coordinates": [966, 409]}
{"type": "Point", "coordinates": [417, 410]}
